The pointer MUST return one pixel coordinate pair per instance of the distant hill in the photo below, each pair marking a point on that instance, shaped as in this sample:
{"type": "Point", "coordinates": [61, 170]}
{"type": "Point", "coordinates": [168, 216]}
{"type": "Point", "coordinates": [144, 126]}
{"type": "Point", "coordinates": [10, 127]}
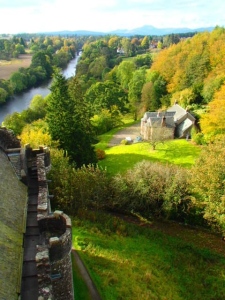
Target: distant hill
{"type": "Point", "coordinates": [144, 30]}
{"type": "Point", "coordinates": [151, 30]}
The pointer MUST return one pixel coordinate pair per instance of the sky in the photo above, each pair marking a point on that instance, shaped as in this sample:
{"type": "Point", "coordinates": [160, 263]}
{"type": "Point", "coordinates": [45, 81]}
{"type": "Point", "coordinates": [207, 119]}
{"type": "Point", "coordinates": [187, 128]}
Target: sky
{"type": "Point", "coordinates": [34, 16]}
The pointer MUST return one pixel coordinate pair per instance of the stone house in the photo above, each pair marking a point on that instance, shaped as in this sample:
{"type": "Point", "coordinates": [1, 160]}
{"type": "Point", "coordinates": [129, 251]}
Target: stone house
{"type": "Point", "coordinates": [175, 122]}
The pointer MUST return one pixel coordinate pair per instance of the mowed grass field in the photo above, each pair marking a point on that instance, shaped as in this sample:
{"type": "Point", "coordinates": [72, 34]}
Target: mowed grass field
{"type": "Point", "coordinates": [8, 67]}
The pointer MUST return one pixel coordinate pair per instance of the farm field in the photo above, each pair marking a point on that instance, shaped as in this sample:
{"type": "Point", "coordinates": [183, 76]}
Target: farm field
{"type": "Point", "coordinates": [8, 67]}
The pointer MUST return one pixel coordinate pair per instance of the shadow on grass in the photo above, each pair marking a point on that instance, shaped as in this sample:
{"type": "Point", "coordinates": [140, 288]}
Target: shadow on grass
{"type": "Point", "coordinates": [81, 291]}
{"type": "Point", "coordinates": [123, 157]}
{"type": "Point", "coordinates": [121, 267]}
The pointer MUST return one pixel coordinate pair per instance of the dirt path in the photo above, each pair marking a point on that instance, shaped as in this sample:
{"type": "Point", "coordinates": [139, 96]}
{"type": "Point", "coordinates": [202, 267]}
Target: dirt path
{"type": "Point", "coordinates": [131, 131]}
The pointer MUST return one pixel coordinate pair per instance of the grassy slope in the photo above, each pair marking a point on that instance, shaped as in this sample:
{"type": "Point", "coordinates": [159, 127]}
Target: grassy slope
{"type": "Point", "coordinates": [127, 261]}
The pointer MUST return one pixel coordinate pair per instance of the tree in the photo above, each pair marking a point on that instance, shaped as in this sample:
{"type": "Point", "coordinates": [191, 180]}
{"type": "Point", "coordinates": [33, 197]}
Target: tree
{"type": "Point", "coordinates": [213, 122]}
{"type": "Point", "coordinates": [135, 88]}
{"type": "Point", "coordinates": [159, 135]}
{"type": "Point", "coordinates": [14, 122]}
{"type": "Point", "coordinates": [145, 43]}
{"type": "Point", "coordinates": [3, 95]}
{"type": "Point", "coordinates": [20, 49]}
{"type": "Point", "coordinates": [97, 66]}
{"type": "Point", "coordinates": [36, 134]}
{"type": "Point", "coordinates": [126, 46]}
{"type": "Point", "coordinates": [105, 95]}
{"type": "Point", "coordinates": [38, 105]}
{"type": "Point", "coordinates": [208, 183]}
{"type": "Point", "coordinates": [125, 73]}
{"type": "Point", "coordinates": [18, 82]}
{"type": "Point", "coordinates": [43, 60]}
{"type": "Point", "coordinates": [68, 119]}
{"type": "Point", "coordinates": [148, 97]}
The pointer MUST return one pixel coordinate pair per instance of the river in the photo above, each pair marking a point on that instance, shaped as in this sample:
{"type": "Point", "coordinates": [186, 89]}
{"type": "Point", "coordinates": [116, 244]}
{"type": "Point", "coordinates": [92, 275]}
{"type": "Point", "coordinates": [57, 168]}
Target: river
{"type": "Point", "coordinates": [20, 102]}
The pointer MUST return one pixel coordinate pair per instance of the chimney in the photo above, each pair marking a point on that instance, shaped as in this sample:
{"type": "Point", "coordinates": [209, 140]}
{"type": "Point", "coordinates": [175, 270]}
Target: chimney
{"type": "Point", "coordinates": [163, 123]}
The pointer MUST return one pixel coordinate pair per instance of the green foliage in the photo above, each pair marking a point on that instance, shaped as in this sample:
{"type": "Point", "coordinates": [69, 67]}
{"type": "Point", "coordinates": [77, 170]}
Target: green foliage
{"type": "Point", "coordinates": [106, 120]}
{"type": "Point", "coordinates": [135, 87]}
{"type": "Point", "coordinates": [73, 189]}
{"type": "Point", "coordinates": [212, 84]}
{"type": "Point", "coordinates": [3, 95]}
{"type": "Point", "coordinates": [145, 42]}
{"type": "Point", "coordinates": [125, 72]}
{"type": "Point", "coordinates": [68, 119]}
{"type": "Point", "coordinates": [106, 95]}
{"type": "Point", "coordinates": [42, 59]}
{"type": "Point", "coordinates": [18, 82]}
{"type": "Point", "coordinates": [38, 105]}
{"type": "Point", "coordinates": [153, 91]}
{"type": "Point", "coordinates": [143, 60]}
{"type": "Point", "coordinates": [208, 183]}
{"type": "Point", "coordinates": [153, 189]}
{"type": "Point", "coordinates": [14, 122]}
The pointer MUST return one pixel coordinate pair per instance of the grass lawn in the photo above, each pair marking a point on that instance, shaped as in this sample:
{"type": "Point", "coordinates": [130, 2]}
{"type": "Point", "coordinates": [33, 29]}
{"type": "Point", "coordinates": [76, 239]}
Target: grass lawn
{"type": "Point", "coordinates": [127, 261]}
{"type": "Point", "coordinates": [122, 157]}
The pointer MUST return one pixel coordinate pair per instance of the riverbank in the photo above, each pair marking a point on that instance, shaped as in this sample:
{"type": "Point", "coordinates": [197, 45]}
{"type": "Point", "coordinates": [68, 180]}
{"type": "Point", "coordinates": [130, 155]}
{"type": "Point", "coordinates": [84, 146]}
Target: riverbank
{"type": "Point", "coordinates": [22, 101]}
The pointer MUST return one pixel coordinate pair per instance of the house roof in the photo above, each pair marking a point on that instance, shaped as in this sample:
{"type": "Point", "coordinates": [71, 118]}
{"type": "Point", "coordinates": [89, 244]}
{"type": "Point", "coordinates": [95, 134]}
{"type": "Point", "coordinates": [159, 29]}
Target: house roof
{"type": "Point", "coordinates": [157, 121]}
{"type": "Point", "coordinates": [12, 223]}
{"type": "Point", "coordinates": [179, 113]}
{"type": "Point", "coordinates": [153, 114]}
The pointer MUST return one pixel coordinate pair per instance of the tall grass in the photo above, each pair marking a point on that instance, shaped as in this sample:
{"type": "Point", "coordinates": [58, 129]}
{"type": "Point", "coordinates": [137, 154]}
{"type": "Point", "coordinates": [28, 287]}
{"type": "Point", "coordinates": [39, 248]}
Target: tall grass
{"type": "Point", "coordinates": [127, 261]}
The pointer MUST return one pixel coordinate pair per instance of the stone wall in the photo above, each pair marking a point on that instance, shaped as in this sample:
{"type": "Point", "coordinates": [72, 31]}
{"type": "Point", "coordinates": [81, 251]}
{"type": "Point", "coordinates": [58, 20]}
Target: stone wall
{"type": "Point", "coordinates": [8, 140]}
{"type": "Point", "coordinates": [54, 258]}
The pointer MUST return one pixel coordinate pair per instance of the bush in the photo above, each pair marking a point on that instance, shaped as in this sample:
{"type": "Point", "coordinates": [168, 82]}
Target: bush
{"type": "Point", "coordinates": [199, 139]}
{"type": "Point", "coordinates": [100, 154]}
{"type": "Point", "coordinates": [73, 189]}
{"type": "Point", "coordinates": [153, 189]}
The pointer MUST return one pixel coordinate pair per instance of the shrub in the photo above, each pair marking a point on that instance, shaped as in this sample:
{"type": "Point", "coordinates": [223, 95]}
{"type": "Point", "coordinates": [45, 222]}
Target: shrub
{"type": "Point", "coordinates": [100, 154]}
{"type": "Point", "coordinates": [208, 183]}
{"type": "Point", "coordinates": [153, 189]}
{"type": "Point", "coordinates": [73, 189]}
{"type": "Point", "coordinates": [124, 142]}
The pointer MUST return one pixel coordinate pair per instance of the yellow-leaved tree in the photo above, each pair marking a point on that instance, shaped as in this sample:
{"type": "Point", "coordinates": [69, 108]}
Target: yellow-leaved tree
{"type": "Point", "coordinates": [36, 134]}
{"type": "Point", "coordinates": [213, 121]}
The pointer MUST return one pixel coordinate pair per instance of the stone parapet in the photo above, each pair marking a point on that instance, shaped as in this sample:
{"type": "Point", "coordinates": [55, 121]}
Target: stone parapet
{"type": "Point", "coordinates": [53, 260]}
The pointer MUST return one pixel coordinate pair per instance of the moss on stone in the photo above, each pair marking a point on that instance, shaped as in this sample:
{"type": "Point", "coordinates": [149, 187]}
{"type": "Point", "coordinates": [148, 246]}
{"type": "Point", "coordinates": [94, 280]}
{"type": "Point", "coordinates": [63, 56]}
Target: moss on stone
{"type": "Point", "coordinates": [13, 200]}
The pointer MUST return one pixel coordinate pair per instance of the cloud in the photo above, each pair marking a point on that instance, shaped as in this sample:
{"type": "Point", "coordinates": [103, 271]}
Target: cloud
{"type": "Point", "coordinates": [101, 15]}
